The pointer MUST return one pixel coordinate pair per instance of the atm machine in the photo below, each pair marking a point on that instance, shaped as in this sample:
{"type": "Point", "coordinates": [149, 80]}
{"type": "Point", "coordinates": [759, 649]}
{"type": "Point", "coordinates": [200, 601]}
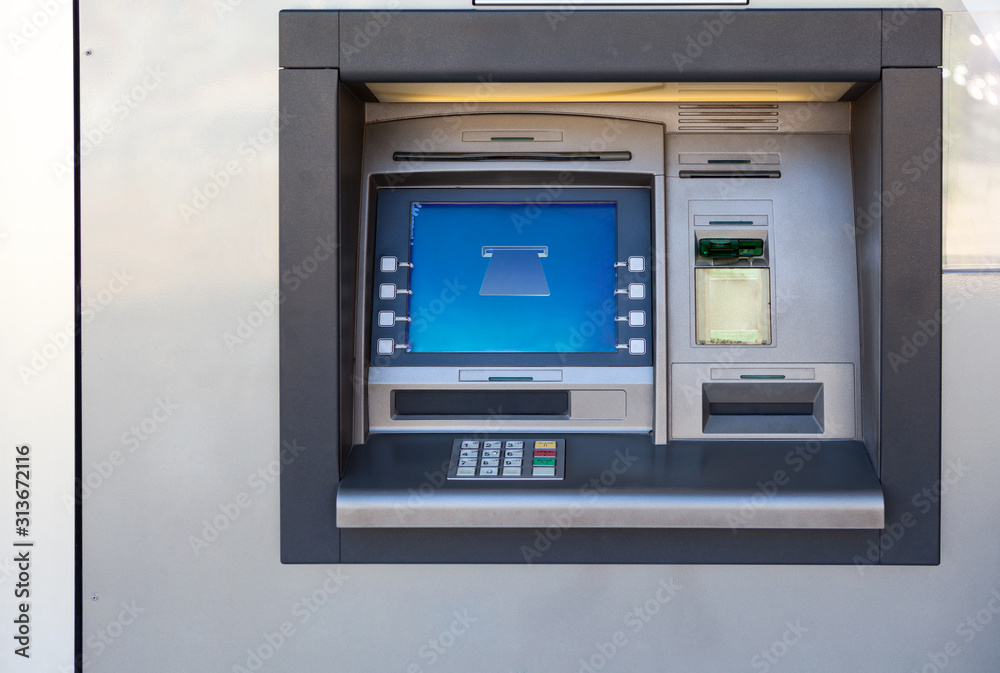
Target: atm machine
{"type": "Point", "coordinates": [602, 296]}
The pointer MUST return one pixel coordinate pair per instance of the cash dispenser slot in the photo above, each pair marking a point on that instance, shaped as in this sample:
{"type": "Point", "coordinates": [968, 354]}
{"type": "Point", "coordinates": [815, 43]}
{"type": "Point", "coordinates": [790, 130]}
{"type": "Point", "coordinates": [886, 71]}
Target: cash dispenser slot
{"type": "Point", "coordinates": [762, 408]}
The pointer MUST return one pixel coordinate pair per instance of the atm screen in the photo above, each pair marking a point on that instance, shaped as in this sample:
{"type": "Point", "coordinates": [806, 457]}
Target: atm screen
{"type": "Point", "coordinates": [514, 277]}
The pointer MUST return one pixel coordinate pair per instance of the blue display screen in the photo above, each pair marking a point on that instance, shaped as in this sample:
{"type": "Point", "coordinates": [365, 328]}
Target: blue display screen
{"type": "Point", "coordinates": [513, 277]}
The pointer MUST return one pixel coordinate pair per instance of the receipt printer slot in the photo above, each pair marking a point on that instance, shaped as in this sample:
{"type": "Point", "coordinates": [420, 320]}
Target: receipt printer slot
{"type": "Point", "coordinates": [486, 403]}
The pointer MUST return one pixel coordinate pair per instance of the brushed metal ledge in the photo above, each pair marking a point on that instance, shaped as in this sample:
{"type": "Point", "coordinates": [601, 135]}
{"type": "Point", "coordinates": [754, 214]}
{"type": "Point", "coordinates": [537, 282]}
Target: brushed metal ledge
{"type": "Point", "coordinates": [613, 481]}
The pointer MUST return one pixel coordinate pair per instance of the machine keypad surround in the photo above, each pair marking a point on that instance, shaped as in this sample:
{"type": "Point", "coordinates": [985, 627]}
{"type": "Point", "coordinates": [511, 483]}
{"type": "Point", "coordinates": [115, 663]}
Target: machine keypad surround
{"type": "Point", "coordinates": [468, 462]}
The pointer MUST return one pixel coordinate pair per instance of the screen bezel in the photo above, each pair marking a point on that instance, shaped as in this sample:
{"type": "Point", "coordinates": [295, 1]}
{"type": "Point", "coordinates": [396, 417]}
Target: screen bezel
{"type": "Point", "coordinates": [392, 238]}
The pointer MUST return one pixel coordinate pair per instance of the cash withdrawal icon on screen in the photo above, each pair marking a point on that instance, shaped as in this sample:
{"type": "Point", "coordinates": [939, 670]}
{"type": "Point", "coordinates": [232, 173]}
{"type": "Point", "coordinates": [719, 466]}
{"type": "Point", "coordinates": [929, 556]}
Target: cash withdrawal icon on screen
{"type": "Point", "coordinates": [515, 271]}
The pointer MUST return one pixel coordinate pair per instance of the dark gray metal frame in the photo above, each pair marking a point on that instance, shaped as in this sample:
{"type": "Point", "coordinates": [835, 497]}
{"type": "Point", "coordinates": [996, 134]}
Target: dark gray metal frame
{"type": "Point", "coordinates": [894, 55]}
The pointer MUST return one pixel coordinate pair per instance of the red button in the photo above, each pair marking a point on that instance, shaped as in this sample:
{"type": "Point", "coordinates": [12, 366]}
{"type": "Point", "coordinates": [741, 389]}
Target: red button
{"type": "Point", "coordinates": [545, 452]}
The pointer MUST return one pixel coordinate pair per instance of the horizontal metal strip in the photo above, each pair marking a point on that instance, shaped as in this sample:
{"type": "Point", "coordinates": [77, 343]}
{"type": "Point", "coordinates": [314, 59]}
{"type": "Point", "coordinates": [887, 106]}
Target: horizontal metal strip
{"type": "Point", "coordinates": [362, 508]}
{"type": "Point", "coordinates": [730, 174]}
{"type": "Point", "coordinates": [512, 156]}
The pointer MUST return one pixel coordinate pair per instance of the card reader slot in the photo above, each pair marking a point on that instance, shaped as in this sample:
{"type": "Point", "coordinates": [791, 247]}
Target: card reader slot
{"type": "Point", "coordinates": [761, 408]}
{"type": "Point", "coordinates": [487, 403]}
{"type": "Point", "coordinates": [728, 174]}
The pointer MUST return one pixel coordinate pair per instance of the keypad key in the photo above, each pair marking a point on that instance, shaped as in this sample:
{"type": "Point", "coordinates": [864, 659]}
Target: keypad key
{"type": "Point", "coordinates": [512, 471]}
{"type": "Point", "coordinates": [543, 472]}
{"type": "Point", "coordinates": [488, 471]}
{"type": "Point", "coordinates": [544, 461]}
{"type": "Point", "coordinates": [513, 444]}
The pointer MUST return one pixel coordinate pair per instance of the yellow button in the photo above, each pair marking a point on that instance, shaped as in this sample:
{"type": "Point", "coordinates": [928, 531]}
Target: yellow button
{"type": "Point", "coordinates": [545, 445]}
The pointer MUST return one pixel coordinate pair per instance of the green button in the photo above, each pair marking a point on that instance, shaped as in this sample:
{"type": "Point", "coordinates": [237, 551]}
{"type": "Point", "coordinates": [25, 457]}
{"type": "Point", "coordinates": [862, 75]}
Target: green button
{"type": "Point", "coordinates": [544, 461]}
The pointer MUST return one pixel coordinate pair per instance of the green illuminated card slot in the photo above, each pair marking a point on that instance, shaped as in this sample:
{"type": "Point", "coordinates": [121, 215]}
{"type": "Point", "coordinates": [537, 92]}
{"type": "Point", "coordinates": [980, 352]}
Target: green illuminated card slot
{"type": "Point", "coordinates": [730, 248]}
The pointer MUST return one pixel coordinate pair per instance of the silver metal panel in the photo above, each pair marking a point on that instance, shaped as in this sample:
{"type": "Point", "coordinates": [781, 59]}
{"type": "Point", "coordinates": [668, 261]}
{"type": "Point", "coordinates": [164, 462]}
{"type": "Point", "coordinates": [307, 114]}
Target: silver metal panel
{"type": "Point", "coordinates": [811, 240]}
{"type": "Point", "coordinates": [636, 383]}
{"type": "Point", "coordinates": [839, 405]}
{"type": "Point", "coordinates": [661, 356]}
{"type": "Point", "coordinates": [811, 254]}
{"type": "Point", "coordinates": [579, 134]}
{"type": "Point", "coordinates": [540, 375]}
{"type": "Point", "coordinates": [163, 337]}
{"type": "Point", "coordinates": [597, 405]}
{"type": "Point", "coordinates": [373, 410]}
{"type": "Point", "coordinates": [791, 117]}
{"type": "Point", "coordinates": [380, 509]}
